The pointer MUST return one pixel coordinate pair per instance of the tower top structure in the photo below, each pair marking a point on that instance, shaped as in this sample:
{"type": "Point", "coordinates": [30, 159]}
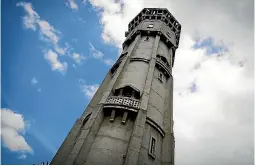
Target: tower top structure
{"type": "Point", "coordinates": [170, 30]}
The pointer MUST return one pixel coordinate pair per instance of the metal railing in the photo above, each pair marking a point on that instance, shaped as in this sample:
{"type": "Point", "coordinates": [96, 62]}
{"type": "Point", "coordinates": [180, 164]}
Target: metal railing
{"type": "Point", "coordinates": [123, 101]}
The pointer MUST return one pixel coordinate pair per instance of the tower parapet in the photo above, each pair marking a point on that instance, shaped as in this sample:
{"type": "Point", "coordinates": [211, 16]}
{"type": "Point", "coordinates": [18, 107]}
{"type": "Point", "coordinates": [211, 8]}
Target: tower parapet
{"type": "Point", "coordinates": [153, 21]}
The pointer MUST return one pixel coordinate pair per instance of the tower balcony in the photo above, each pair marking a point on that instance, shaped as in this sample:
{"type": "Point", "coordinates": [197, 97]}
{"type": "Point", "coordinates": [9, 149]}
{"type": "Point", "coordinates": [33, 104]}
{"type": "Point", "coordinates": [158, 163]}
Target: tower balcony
{"type": "Point", "coordinates": [122, 102]}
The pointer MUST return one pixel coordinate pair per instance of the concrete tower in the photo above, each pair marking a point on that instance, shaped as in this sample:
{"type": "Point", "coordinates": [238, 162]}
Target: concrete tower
{"type": "Point", "coordinates": [130, 118]}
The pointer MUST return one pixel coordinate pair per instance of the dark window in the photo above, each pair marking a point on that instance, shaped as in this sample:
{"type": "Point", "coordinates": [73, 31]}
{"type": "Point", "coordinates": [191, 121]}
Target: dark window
{"type": "Point", "coordinates": [163, 59]}
{"type": "Point", "coordinates": [152, 148]}
{"type": "Point", "coordinates": [160, 77]}
{"type": "Point", "coordinates": [114, 68]}
{"type": "Point", "coordinates": [127, 92]}
{"type": "Point", "coordinates": [160, 12]}
{"type": "Point", "coordinates": [147, 38]}
{"type": "Point", "coordinates": [121, 56]}
{"type": "Point", "coordinates": [86, 119]}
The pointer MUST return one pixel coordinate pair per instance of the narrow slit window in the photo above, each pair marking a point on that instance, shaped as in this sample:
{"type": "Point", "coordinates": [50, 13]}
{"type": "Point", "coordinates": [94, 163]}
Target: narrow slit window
{"type": "Point", "coordinates": [152, 148]}
{"type": "Point", "coordinates": [150, 26]}
{"type": "Point", "coordinates": [114, 69]}
{"type": "Point", "coordinates": [168, 34]}
{"type": "Point", "coordinates": [86, 119]}
{"type": "Point", "coordinates": [160, 77]}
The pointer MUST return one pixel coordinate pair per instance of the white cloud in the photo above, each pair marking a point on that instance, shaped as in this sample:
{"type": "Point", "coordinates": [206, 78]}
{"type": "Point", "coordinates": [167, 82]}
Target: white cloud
{"type": "Point", "coordinates": [219, 115]}
{"type": "Point", "coordinates": [39, 90]}
{"type": "Point", "coordinates": [99, 55]}
{"type": "Point", "coordinates": [52, 57]}
{"type": "Point", "coordinates": [72, 4]}
{"type": "Point", "coordinates": [12, 125]}
{"type": "Point", "coordinates": [31, 18]}
{"type": "Point", "coordinates": [109, 62]}
{"type": "Point", "coordinates": [96, 53]}
{"type": "Point", "coordinates": [77, 57]}
{"type": "Point", "coordinates": [48, 32]}
{"type": "Point", "coordinates": [34, 81]}
{"type": "Point", "coordinates": [60, 50]}
{"type": "Point", "coordinates": [88, 90]}
{"type": "Point", "coordinates": [22, 156]}
{"type": "Point", "coordinates": [51, 35]}
{"type": "Point", "coordinates": [215, 112]}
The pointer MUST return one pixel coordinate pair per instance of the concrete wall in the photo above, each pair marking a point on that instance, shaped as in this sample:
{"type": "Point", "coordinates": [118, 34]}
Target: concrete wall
{"type": "Point", "coordinates": [168, 141]}
{"type": "Point", "coordinates": [111, 142]}
{"type": "Point", "coordinates": [134, 74]}
{"type": "Point", "coordinates": [163, 50]}
{"type": "Point", "coordinates": [156, 101]}
{"type": "Point", "coordinates": [144, 48]}
{"type": "Point", "coordinates": [144, 157]}
{"type": "Point", "coordinates": [160, 111]}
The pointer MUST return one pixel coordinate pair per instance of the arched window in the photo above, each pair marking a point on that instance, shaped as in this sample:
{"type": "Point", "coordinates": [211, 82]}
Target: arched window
{"type": "Point", "coordinates": [127, 91]}
{"type": "Point", "coordinates": [163, 59]}
{"type": "Point", "coordinates": [114, 68]}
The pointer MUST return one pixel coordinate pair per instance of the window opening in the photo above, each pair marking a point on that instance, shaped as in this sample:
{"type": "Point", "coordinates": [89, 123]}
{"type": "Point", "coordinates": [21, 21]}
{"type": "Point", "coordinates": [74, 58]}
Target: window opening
{"type": "Point", "coordinates": [147, 38]}
{"type": "Point", "coordinates": [152, 148]}
{"type": "Point", "coordinates": [133, 94]}
{"type": "Point", "coordinates": [160, 77]}
{"type": "Point", "coordinates": [86, 119]}
{"type": "Point", "coordinates": [114, 69]}
{"type": "Point", "coordinates": [150, 26]}
{"type": "Point", "coordinates": [127, 92]}
{"type": "Point", "coordinates": [160, 12]}
{"type": "Point", "coordinates": [168, 34]}
{"type": "Point", "coordinates": [121, 92]}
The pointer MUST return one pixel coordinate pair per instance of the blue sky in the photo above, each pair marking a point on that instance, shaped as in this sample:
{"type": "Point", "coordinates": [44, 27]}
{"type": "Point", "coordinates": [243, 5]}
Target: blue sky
{"type": "Point", "coordinates": [50, 100]}
{"type": "Point", "coordinates": [56, 53]}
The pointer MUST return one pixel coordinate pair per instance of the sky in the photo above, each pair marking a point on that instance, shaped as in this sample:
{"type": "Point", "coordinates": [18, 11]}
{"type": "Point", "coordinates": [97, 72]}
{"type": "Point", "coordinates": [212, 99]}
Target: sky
{"type": "Point", "coordinates": [56, 53]}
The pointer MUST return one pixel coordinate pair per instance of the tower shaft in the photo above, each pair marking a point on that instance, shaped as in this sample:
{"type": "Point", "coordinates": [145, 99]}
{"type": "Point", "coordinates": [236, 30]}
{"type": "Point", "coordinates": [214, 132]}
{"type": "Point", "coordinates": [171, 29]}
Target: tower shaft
{"type": "Point", "coordinates": [130, 118]}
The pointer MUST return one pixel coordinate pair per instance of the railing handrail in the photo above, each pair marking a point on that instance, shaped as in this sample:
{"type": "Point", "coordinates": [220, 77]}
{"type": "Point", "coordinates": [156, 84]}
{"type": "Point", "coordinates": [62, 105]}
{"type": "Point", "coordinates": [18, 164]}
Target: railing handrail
{"type": "Point", "coordinates": [125, 102]}
{"type": "Point", "coordinates": [124, 97]}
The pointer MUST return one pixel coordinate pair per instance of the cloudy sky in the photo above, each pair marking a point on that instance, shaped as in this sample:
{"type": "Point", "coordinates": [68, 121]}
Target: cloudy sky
{"type": "Point", "coordinates": [56, 53]}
